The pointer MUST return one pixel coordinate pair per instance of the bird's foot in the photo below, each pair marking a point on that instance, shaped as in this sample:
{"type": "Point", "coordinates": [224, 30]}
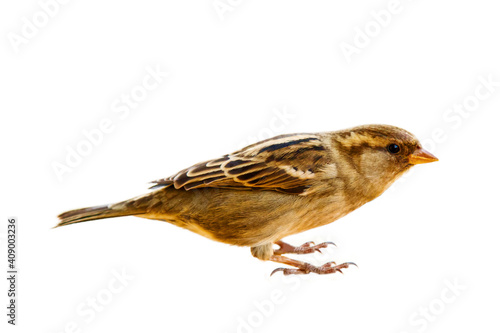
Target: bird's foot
{"type": "Point", "coordinates": [328, 268]}
{"type": "Point", "coordinates": [305, 268]}
{"type": "Point", "coordinates": [308, 247]}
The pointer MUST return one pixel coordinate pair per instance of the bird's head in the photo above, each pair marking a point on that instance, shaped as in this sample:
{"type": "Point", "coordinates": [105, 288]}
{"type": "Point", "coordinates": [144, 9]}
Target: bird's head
{"type": "Point", "coordinates": [382, 153]}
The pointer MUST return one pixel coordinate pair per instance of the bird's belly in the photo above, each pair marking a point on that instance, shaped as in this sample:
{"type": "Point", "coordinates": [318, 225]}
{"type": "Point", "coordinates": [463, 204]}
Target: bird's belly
{"type": "Point", "coordinates": [316, 216]}
{"type": "Point", "coordinates": [248, 218]}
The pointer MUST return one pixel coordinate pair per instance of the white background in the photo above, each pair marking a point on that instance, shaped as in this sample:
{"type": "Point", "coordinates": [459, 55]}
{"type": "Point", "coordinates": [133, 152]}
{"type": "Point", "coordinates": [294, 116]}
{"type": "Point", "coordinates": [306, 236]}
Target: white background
{"type": "Point", "coordinates": [229, 73]}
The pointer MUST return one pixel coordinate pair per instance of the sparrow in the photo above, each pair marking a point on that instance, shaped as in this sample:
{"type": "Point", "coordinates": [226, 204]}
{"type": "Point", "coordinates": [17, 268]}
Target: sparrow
{"type": "Point", "coordinates": [275, 188]}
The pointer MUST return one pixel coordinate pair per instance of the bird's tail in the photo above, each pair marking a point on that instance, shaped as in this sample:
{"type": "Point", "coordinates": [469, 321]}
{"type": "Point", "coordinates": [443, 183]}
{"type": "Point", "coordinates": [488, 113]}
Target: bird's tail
{"type": "Point", "coordinates": [135, 206]}
{"type": "Point", "coordinates": [89, 214]}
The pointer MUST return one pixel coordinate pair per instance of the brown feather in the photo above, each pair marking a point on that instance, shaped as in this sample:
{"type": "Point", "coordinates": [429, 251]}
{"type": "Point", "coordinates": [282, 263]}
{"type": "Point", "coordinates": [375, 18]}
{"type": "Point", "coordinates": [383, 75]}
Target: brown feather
{"type": "Point", "coordinates": [285, 164]}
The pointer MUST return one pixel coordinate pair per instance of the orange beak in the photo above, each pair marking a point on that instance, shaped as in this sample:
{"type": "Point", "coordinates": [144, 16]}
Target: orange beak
{"type": "Point", "coordinates": [421, 156]}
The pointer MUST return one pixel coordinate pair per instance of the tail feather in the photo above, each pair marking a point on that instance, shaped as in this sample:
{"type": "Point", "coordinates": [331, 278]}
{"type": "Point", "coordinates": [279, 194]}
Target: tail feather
{"type": "Point", "coordinates": [89, 214]}
{"type": "Point", "coordinates": [135, 206]}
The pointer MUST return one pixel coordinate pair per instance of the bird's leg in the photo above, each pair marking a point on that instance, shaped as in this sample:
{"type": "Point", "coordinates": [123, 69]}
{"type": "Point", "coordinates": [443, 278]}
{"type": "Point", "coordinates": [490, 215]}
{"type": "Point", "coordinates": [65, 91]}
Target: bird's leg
{"type": "Point", "coordinates": [305, 268]}
{"type": "Point", "coordinates": [308, 247]}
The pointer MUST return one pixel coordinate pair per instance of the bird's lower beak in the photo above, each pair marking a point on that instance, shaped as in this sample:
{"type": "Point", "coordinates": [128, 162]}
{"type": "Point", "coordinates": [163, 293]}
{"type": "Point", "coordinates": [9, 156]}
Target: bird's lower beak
{"type": "Point", "coordinates": [421, 156]}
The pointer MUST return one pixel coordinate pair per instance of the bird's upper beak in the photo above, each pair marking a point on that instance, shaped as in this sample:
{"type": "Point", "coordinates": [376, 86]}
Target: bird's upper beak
{"type": "Point", "coordinates": [421, 156]}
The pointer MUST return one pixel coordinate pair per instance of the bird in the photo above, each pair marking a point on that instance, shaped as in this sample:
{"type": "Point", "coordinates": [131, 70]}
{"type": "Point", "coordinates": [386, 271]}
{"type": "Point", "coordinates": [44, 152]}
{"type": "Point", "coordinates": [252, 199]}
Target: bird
{"type": "Point", "coordinates": [281, 186]}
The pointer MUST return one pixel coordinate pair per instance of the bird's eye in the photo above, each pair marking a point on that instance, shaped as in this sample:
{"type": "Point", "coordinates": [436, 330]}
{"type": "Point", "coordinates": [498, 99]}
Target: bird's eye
{"type": "Point", "coordinates": [393, 148]}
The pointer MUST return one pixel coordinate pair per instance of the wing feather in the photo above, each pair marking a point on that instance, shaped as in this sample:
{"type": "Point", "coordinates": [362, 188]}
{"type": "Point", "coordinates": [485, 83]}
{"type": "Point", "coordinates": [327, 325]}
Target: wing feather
{"type": "Point", "coordinates": [286, 163]}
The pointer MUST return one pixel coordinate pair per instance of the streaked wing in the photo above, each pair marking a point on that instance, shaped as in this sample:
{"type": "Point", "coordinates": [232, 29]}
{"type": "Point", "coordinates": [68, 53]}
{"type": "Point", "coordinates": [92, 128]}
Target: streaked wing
{"type": "Point", "coordinates": [286, 163]}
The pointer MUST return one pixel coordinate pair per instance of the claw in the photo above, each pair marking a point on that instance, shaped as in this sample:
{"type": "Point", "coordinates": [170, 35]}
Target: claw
{"type": "Point", "coordinates": [330, 264]}
{"type": "Point", "coordinates": [278, 270]}
{"type": "Point", "coordinates": [288, 271]}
